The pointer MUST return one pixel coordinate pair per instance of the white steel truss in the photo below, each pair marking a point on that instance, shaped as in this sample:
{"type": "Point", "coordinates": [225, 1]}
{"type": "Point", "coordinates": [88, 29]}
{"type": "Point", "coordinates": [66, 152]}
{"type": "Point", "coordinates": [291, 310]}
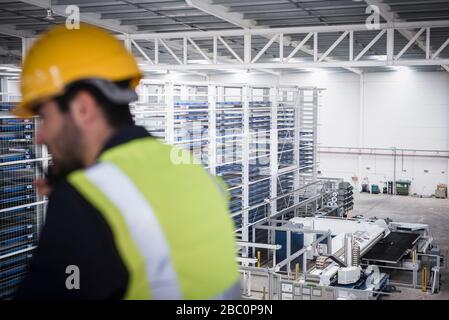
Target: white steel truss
{"type": "Point", "coordinates": [319, 59]}
{"type": "Point", "coordinates": [116, 26]}
{"type": "Point", "coordinates": [222, 12]}
{"type": "Point", "coordinates": [390, 16]}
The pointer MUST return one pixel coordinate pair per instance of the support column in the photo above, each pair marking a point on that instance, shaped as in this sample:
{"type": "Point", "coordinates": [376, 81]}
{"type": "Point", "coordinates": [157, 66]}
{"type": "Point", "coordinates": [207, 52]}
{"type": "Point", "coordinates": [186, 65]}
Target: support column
{"type": "Point", "coordinates": [316, 93]}
{"type": "Point", "coordinates": [247, 48]}
{"type": "Point", "coordinates": [26, 43]}
{"type": "Point", "coordinates": [4, 96]}
{"type": "Point", "coordinates": [361, 129]}
{"type": "Point", "coordinates": [390, 46]}
{"type": "Point", "coordinates": [299, 101]}
{"type": "Point", "coordinates": [288, 248]}
{"type": "Point", "coordinates": [274, 143]}
{"type": "Point", "coordinates": [245, 165]}
{"type": "Point", "coordinates": [128, 44]}
{"type": "Point", "coordinates": [212, 152]}
{"type": "Point", "coordinates": [274, 165]}
{"type": "Point", "coordinates": [170, 120]}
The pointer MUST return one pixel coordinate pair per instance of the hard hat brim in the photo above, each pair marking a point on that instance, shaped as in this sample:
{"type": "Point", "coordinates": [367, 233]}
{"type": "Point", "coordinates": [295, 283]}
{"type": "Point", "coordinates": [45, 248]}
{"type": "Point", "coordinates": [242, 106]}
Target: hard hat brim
{"type": "Point", "coordinates": [114, 93]}
{"type": "Point", "coordinates": [22, 110]}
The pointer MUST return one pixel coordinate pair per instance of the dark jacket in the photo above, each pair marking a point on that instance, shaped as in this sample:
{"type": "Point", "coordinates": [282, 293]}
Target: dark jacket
{"type": "Point", "coordinates": [75, 233]}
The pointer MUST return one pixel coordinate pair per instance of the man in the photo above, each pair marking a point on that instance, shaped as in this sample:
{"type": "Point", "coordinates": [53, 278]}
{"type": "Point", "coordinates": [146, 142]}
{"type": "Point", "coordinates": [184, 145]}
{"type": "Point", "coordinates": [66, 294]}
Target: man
{"type": "Point", "coordinates": [122, 217]}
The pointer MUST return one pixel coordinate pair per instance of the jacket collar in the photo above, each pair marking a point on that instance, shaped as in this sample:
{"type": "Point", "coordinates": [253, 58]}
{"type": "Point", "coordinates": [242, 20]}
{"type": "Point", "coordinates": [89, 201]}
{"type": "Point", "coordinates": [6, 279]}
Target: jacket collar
{"type": "Point", "coordinates": [124, 135]}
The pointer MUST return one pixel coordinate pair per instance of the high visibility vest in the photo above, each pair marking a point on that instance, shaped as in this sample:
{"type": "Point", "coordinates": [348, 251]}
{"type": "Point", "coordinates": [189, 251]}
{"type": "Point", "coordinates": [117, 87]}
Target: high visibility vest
{"type": "Point", "coordinates": [170, 222]}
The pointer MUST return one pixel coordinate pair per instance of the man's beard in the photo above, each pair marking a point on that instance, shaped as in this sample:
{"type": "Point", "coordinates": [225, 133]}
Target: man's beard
{"type": "Point", "coordinates": [70, 150]}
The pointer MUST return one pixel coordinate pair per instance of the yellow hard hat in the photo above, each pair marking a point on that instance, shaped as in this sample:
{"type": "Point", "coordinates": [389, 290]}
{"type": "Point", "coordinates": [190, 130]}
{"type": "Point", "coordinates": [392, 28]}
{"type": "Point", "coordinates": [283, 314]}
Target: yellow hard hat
{"type": "Point", "coordinates": [62, 56]}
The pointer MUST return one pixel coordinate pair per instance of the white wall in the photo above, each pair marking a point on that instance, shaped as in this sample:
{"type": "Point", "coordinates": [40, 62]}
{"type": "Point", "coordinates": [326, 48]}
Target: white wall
{"type": "Point", "coordinates": [401, 109]}
{"type": "Point", "coordinates": [409, 110]}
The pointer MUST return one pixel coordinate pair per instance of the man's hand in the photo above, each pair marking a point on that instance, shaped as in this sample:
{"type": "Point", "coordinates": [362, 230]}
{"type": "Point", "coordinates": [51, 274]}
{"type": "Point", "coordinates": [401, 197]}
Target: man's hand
{"type": "Point", "coordinates": [43, 187]}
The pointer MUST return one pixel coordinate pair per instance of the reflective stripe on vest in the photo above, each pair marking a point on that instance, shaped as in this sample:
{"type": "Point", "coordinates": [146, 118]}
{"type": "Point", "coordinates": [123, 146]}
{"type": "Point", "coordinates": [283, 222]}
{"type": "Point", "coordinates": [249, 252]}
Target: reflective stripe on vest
{"type": "Point", "coordinates": [142, 225]}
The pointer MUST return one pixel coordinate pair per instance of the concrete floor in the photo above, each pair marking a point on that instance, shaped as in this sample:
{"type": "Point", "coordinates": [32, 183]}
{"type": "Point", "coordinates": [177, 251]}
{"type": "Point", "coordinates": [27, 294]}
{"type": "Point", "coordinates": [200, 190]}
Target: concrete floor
{"type": "Point", "coordinates": [434, 212]}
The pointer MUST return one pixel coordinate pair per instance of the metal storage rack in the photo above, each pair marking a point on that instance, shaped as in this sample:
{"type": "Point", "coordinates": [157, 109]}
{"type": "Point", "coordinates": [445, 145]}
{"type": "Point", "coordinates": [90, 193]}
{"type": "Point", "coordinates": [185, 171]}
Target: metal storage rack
{"type": "Point", "coordinates": [228, 141]}
{"type": "Point", "coordinates": [150, 111]}
{"type": "Point", "coordinates": [260, 130]}
{"type": "Point", "coordinates": [308, 134]}
{"type": "Point", "coordinates": [191, 119]}
{"type": "Point", "coordinates": [288, 146]}
{"type": "Point", "coordinates": [260, 140]}
{"type": "Point", "coordinates": [21, 208]}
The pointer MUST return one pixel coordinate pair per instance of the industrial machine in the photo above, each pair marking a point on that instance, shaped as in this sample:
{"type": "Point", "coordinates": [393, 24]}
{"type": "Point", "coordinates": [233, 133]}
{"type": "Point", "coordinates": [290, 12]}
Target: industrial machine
{"type": "Point", "coordinates": [346, 259]}
{"type": "Point", "coordinates": [338, 198]}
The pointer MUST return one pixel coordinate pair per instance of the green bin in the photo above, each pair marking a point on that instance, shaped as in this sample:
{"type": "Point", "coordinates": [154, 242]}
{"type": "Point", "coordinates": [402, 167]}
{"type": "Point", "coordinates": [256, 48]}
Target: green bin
{"type": "Point", "coordinates": [403, 187]}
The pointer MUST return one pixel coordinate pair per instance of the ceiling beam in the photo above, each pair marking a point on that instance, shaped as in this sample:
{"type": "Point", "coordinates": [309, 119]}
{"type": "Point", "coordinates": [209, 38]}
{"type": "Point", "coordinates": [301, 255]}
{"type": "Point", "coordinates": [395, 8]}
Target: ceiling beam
{"type": "Point", "coordinates": [222, 12]}
{"type": "Point", "coordinates": [177, 45]}
{"type": "Point", "coordinates": [8, 56]}
{"type": "Point", "coordinates": [302, 65]}
{"type": "Point", "coordinates": [13, 53]}
{"type": "Point", "coordinates": [91, 18]}
{"type": "Point", "coordinates": [7, 30]}
{"type": "Point", "coordinates": [289, 30]}
{"type": "Point", "coordinates": [390, 16]}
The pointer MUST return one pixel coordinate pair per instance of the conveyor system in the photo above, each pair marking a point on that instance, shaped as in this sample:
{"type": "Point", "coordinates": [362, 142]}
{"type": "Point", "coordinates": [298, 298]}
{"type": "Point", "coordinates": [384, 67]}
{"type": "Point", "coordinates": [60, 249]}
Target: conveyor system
{"type": "Point", "coordinates": [392, 248]}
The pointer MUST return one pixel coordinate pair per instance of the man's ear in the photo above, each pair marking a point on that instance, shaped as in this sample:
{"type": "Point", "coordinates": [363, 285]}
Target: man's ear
{"type": "Point", "coordinates": [83, 108]}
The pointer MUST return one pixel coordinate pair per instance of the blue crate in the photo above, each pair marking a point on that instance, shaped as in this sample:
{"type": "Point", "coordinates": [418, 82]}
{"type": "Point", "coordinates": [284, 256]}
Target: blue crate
{"type": "Point", "coordinates": [229, 103]}
{"type": "Point", "coordinates": [10, 283]}
{"type": "Point", "coordinates": [13, 137]}
{"type": "Point", "coordinates": [15, 121]}
{"type": "Point", "coordinates": [13, 271]}
{"type": "Point", "coordinates": [16, 127]}
{"type": "Point", "coordinates": [191, 103]}
{"type": "Point", "coordinates": [15, 167]}
{"type": "Point", "coordinates": [15, 260]}
{"type": "Point", "coordinates": [15, 229]}
{"type": "Point", "coordinates": [5, 245]}
{"type": "Point", "coordinates": [14, 157]}
{"type": "Point", "coordinates": [8, 250]}
{"type": "Point", "coordinates": [16, 188]}
{"type": "Point", "coordinates": [28, 197]}
{"type": "Point", "coordinates": [10, 213]}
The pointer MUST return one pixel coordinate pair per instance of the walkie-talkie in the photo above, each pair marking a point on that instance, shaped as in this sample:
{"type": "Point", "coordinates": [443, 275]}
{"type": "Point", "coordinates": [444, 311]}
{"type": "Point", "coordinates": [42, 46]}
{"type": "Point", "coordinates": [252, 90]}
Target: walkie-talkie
{"type": "Point", "coordinates": [47, 174]}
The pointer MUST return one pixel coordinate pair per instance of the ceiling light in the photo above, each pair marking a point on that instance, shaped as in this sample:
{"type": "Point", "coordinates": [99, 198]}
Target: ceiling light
{"type": "Point", "coordinates": [199, 61]}
{"type": "Point", "coordinates": [49, 16]}
{"type": "Point", "coordinates": [378, 57]}
{"type": "Point", "coordinates": [10, 68]}
{"type": "Point", "coordinates": [402, 69]}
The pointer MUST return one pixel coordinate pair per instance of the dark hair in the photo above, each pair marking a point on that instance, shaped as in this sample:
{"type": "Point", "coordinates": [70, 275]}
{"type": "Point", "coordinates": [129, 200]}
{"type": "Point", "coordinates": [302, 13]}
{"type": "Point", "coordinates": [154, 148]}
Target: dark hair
{"type": "Point", "coordinates": [117, 115]}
